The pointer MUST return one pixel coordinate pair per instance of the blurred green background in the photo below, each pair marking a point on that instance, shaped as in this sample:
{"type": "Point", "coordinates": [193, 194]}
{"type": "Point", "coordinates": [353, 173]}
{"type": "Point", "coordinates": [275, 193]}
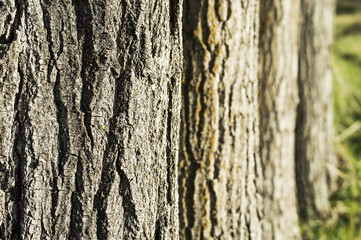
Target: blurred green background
{"type": "Point", "coordinates": [344, 221]}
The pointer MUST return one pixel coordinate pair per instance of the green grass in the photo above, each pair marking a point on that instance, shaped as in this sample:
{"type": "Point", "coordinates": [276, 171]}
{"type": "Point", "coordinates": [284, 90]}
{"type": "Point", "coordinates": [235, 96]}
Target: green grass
{"type": "Point", "coordinates": [344, 222]}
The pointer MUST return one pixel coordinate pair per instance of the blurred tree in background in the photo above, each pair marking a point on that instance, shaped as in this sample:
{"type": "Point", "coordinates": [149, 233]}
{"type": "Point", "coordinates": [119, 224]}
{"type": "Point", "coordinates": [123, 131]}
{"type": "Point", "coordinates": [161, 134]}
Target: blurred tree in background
{"type": "Point", "coordinates": [344, 219]}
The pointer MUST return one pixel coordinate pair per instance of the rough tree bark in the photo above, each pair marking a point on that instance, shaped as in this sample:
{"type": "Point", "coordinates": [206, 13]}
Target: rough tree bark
{"type": "Point", "coordinates": [220, 170]}
{"type": "Point", "coordinates": [314, 155]}
{"type": "Point", "coordinates": [89, 121]}
{"type": "Point", "coordinates": [278, 98]}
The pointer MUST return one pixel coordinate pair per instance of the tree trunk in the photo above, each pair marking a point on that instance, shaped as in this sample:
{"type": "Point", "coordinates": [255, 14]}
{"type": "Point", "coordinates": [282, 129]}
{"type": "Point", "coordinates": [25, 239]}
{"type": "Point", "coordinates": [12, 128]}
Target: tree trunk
{"type": "Point", "coordinates": [314, 155]}
{"type": "Point", "coordinates": [220, 169]}
{"type": "Point", "coordinates": [278, 100]}
{"type": "Point", "coordinates": [89, 121]}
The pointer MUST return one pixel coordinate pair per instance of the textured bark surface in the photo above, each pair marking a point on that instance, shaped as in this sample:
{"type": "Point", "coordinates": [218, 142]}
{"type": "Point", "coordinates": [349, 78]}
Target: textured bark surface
{"type": "Point", "coordinates": [314, 154]}
{"type": "Point", "coordinates": [89, 121]}
{"type": "Point", "coordinates": [278, 98]}
{"type": "Point", "coordinates": [220, 169]}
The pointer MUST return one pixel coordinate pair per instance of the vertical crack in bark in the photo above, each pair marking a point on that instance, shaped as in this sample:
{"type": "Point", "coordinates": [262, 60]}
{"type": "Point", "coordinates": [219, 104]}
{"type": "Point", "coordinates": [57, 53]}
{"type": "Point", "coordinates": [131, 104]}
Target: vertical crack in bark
{"type": "Point", "coordinates": [205, 25]}
{"type": "Point", "coordinates": [107, 172]}
{"type": "Point", "coordinates": [113, 153]}
{"type": "Point", "coordinates": [63, 132]}
{"type": "Point", "coordinates": [187, 192]}
{"type": "Point", "coordinates": [63, 135]}
{"type": "Point", "coordinates": [202, 99]}
{"type": "Point", "coordinates": [213, 207]}
{"type": "Point", "coordinates": [246, 187]}
{"type": "Point", "coordinates": [302, 169]}
{"type": "Point", "coordinates": [169, 156]}
{"type": "Point", "coordinates": [76, 214]}
{"type": "Point", "coordinates": [304, 193]}
{"type": "Point", "coordinates": [173, 15]}
{"type": "Point", "coordinates": [47, 22]}
{"type": "Point", "coordinates": [19, 4]}
{"type": "Point", "coordinates": [18, 94]}
{"type": "Point", "coordinates": [2, 231]}
{"type": "Point", "coordinates": [84, 26]}
{"type": "Point", "coordinates": [54, 197]}
{"type": "Point", "coordinates": [100, 199]}
{"type": "Point", "coordinates": [16, 193]}
{"type": "Point", "coordinates": [121, 104]}
{"type": "Point", "coordinates": [158, 232]}
{"type": "Point", "coordinates": [43, 233]}
{"type": "Point", "coordinates": [61, 41]}
{"type": "Point", "coordinates": [63, 147]}
{"type": "Point", "coordinates": [184, 128]}
{"type": "Point", "coordinates": [190, 190]}
{"type": "Point", "coordinates": [131, 224]}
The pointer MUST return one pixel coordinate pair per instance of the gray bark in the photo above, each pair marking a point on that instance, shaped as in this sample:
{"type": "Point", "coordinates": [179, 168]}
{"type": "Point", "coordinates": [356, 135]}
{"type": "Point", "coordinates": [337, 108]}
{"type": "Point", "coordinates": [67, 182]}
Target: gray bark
{"type": "Point", "coordinates": [89, 121]}
{"type": "Point", "coordinates": [314, 154]}
{"type": "Point", "coordinates": [220, 169]}
{"type": "Point", "coordinates": [278, 98]}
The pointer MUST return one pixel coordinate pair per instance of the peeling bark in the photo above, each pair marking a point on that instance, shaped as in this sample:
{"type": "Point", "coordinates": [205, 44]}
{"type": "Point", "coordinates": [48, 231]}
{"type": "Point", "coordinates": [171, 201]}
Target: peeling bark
{"type": "Point", "coordinates": [314, 154]}
{"type": "Point", "coordinates": [89, 119]}
{"type": "Point", "coordinates": [278, 98]}
{"type": "Point", "coordinates": [220, 170]}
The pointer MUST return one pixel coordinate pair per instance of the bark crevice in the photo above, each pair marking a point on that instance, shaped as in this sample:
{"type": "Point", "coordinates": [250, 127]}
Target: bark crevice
{"type": "Point", "coordinates": [89, 66]}
{"type": "Point", "coordinates": [76, 213]}
{"type": "Point", "coordinates": [17, 191]}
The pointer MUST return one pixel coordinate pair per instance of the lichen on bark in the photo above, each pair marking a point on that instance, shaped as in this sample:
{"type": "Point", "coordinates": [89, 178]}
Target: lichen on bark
{"type": "Point", "coordinates": [220, 170]}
